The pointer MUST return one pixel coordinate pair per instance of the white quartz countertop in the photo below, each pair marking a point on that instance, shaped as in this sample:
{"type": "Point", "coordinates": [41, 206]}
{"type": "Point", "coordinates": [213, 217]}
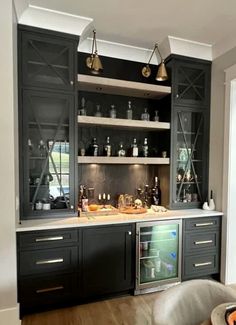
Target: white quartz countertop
{"type": "Point", "coordinates": [58, 223]}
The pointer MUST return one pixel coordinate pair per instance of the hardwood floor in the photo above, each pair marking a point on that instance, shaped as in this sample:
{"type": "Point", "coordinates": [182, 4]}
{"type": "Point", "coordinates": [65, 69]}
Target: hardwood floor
{"type": "Point", "coordinates": [130, 310]}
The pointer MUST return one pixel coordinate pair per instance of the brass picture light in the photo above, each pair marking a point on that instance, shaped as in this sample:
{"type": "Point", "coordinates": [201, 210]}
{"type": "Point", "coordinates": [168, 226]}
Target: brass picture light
{"type": "Point", "coordinates": [161, 72]}
{"type": "Point", "coordinates": [93, 62]}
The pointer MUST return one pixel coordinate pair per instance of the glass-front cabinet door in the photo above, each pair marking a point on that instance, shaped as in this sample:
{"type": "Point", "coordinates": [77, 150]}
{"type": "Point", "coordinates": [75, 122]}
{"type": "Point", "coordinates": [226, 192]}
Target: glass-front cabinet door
{"type": "Point", "coordinates": [190, 172]}
{"type": "Point", "coordinates": [48, 154]}
{"type": "Point", "coordinates": [158, 254]}
{"type": "Point", "coordinates": [48, 61]}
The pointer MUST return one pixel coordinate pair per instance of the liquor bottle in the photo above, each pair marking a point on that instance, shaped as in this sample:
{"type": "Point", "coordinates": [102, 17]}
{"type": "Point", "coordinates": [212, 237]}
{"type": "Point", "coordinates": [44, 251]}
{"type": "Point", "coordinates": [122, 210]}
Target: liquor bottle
{"type": "Point", "coordinates": [147, 197]}
{"type": "Point", "coordinates": [156, 193]}
{"type": "Point", "coordinates": [107, 148]}
{"type": "Point", "coordinates": [93, 149]}
{"type": "Point", "coordinates": [145, 116]}
{"type": "Point", "coordinates": [145, 148]}
{"type": "Point", "coordinates": [84, 200]}
{"type": "Point", "coordinates": [81, 190]}
{"type": "Point", "coordinates": [121, 150]}
{"type": "Point", "coordinates": [134, 148]}
{"type": "Point", "coordinates": [113, 111]}
{"type": "Point", "coordinates": [129, 112]}
{"type": "Point", "coordinates": [98, 111]}
{"type": "Point", "coordinates": [156, 117]}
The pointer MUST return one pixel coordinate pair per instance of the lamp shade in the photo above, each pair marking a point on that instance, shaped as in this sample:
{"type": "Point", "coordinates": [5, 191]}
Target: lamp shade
{"type": "Point", "coordinates": [161, 72]}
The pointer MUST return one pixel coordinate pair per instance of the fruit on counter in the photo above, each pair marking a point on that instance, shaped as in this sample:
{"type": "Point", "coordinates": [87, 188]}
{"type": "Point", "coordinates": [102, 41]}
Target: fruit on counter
{"type": "Point", "coordinates": [93, 207]}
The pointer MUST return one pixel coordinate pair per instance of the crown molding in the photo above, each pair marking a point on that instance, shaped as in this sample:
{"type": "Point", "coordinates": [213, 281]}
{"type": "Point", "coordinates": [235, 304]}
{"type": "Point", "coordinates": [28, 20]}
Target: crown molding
{"type": "Point", "coordinates": [54, 20]}
{"type": "Point", "coordinates": [119, 51]}
{"type": "Point", "coordinates": [82, 26]}
{"type": "Point", "coordinates": [189, 48]}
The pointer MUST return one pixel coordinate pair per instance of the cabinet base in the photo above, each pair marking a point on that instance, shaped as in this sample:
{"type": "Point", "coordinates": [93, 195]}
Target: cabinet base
{"type": "Point", "coordinates": [154, 289]}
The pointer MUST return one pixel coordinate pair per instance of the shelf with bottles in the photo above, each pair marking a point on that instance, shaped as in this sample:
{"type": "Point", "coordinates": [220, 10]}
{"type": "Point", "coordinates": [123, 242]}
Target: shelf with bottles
{"type": "Point", "coordinates": [123, 160]}
{"type": "Point", "coordinates": [123, 123]}
{"type": "Point", "coordinates": [121, 87]}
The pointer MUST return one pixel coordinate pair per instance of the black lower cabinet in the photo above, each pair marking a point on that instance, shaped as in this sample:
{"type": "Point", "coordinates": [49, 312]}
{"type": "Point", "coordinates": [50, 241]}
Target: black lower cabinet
{"type": "Point", "coordinates": [201, 247]}
{"type": "Point", "coordinates": [107, 260]}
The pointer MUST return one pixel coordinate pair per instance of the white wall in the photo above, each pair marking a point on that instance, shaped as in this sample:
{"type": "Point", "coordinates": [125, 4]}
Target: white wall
{"type": "Point", "coordinates": [8, 300]}
{"type": "Point", "coordinates": [217, 155]}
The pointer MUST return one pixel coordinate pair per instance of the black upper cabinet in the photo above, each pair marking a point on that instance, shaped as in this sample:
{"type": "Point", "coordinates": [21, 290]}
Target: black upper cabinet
{"type": "Point", "coordinates": [190, 111]}
{"type": "Point", "coordinates": [107, 260]}
{"type": "Point", "coordinates": [48, 61]}
{"type": "Point", "coordinates": [191, 83]}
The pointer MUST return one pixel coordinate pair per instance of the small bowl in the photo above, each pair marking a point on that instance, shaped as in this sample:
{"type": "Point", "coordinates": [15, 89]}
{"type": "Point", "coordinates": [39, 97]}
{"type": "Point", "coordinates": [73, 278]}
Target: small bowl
{"type": "Point", "coordinates": [93, 207]}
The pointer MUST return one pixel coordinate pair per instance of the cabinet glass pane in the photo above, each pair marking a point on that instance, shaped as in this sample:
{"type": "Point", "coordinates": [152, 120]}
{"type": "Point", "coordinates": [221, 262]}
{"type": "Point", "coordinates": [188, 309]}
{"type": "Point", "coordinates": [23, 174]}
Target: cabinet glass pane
{"type": "Point", "coordinates": [48, 152]}
{"type": "Point", "coordinates": [189, 162]}
{"type": "Point", "coordinates": [47, 62]}
{"type": "Point", "coordinates": [158, 252]}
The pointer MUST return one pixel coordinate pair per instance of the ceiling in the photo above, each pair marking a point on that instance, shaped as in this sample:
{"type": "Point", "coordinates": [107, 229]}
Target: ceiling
{"type": "Point", "coordinates": [142, 23]}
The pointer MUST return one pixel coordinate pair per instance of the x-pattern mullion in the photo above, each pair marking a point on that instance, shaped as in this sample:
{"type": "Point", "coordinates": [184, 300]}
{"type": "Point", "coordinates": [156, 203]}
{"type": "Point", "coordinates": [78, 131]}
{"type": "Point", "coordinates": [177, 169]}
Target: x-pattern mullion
{"type": "Point", "coordinates": [50, 64]}
{"type": "Point", "coordinates": [191, 84]}
{"type": "Point", "coordinates": [49, 154]}
{"type": "Point", "coordinates": [189, 155]}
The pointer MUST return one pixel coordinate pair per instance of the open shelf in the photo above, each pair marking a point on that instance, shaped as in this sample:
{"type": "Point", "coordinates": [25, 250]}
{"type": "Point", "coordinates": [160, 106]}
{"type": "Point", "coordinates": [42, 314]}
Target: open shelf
{"type": "Point", "coordinates": [123, 123]}
{"type": "Point", "coordinates": [123, 160]}
{"type": "Point", "coordinates": [121, 87]}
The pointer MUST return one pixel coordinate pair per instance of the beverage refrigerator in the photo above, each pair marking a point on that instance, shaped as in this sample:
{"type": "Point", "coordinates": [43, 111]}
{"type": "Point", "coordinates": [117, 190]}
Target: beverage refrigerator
{"type": "Point", "coordinates": [158, 255]}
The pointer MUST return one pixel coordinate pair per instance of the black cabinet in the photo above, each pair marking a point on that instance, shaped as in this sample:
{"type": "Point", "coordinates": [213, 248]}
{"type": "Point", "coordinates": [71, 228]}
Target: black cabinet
{"type": "Point", "coordinates": [47, 122]}
{"type": "Point", "coordinates": [47, 60]}
{"type": "Point", "coordinates": [107, 259]}
{"type": "Point", "coordinates": [48, 153]}
{"type": "Point", "coordinates": [190, 111]}
{"type": "Point", "coordinates": [48, 272]}
{"type": "Point", "coordinates": [191, 82]}
{"type": "Point", "coordinates": [201, 247]}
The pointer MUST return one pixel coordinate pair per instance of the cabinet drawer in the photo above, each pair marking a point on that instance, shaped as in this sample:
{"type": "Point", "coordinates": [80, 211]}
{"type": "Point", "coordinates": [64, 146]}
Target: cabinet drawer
{"type": "Point", "coordinates": [199, 224]}
{"type": "Point", "coordinates": [47, 290]}
{"type": "Point", "coordinates": [200, 265]}
{"type": "Point", "coordinates": [195, 242]}
{"type": "Point", "coordinates": [51, 238]}
{"type": "Point", "coordinates": [50, 260]}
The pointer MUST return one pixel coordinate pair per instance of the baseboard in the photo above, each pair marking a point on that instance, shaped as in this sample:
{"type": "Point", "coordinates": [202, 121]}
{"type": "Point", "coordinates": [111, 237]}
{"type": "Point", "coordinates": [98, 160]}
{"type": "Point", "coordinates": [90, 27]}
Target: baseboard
{"type": "Point", "coordinates": [10, 316]}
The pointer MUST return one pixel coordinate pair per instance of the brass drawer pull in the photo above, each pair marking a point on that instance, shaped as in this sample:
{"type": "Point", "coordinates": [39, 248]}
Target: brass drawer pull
{"type": "Point", "coordinates": [49, 238]}
{"type": "Point", "coordinates": [49, 289]}
{"type": "Point", "coordinates": [204, 224]}
{"type": "Point", "coordinates": [202, 264]}
{"type": "Point", "coordinates": [58, 260]}
{"type": "Point", "coordinates": [201, 242]}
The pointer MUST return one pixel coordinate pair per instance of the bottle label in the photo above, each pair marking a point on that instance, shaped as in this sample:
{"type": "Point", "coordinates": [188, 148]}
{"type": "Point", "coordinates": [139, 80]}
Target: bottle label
{"type": "Point", "coordinates": [135, 152]}
{"type": "Point", "coordinates": [84, 205]}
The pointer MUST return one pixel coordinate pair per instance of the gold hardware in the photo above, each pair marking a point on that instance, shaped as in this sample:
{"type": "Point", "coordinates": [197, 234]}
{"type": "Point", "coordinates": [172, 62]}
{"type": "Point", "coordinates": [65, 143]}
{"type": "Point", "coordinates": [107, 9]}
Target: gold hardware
{"type": "Point", "coordinates": [161, 72]}
{"type": "Point", "coordinates": [204, 224]}
{"type": "Point", "coordinates": [93, 62]}
{"type": "Point", "coordinates": [49, 289]}
{"type": "Point", "coordinates": [49, 238]}
{"type": "Point", "coordinates": [201, 242]}
{"type": "Point", "coordinates": [202, 264]}
{"type": "Point", "coordinates": [58, 260]}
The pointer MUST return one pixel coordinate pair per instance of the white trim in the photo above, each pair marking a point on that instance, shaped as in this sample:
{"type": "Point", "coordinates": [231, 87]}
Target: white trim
{"type": "Point", "coordinates": [54, 20]}
{"type": "Point", "coordinates": [228, 261]}
{"type": "Point", "coordinates": [119, 51]}
{"type": "Point", "coordinates": [190, 48]}
{"type": "Point", "coordinates": [10, 316]}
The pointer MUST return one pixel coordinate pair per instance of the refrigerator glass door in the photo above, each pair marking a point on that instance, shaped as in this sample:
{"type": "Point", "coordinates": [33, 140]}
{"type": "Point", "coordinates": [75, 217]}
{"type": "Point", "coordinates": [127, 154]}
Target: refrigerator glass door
{"type": "Point", "coordinates": [158, 253]}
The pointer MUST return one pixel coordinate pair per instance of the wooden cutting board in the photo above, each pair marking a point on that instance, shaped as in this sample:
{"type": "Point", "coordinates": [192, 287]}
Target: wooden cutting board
{"type": "Point", "coordinates": [133, 210]}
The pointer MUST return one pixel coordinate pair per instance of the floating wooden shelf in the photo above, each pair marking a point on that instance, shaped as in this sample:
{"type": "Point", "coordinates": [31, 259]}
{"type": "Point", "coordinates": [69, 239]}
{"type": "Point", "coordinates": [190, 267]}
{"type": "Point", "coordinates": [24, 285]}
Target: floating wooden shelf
{"type": "Point", "coordinates": [123, 160]}
{"type": "Point", "coordinates": [121, 87]}
{"type": "Point", "coordinates": [123, 123]}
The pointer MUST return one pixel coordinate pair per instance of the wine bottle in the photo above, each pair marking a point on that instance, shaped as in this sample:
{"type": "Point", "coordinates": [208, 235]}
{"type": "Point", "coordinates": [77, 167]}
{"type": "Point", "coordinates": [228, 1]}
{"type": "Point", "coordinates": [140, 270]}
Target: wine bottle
{"type": "Point", "coordinates": [107, 148]}
{"type": "Point", "coordinates": [84, 200]}
{"type": "Point", "coordinates": [156, 193]}
{"type": "Point", "coordinates": [121, 150]}
{"type": "Point", "coordinates": [93, 149]}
